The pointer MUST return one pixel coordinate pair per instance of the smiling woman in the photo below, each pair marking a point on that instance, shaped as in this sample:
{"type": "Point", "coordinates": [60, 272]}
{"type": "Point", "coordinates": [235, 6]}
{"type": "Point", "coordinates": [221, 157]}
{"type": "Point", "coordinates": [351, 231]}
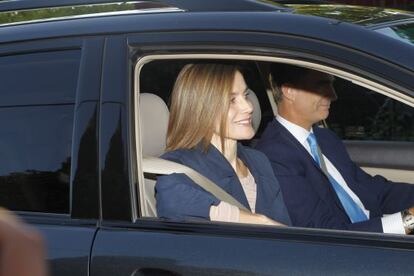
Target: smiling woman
{"type": "Point", "coordinates": [215, 96]}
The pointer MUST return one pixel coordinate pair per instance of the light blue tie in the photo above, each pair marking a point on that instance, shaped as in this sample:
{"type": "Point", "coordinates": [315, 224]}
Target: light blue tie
{"type": "Point", "coordinates": [354, 212]}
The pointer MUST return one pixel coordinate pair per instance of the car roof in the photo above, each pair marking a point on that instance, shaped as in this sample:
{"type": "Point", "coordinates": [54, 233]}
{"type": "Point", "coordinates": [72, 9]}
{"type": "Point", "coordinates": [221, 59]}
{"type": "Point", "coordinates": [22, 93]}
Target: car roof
{"type": "Point", "coordinates": [279, 20]}
{"type": "Point", "coordinates": [190, 5]}
{"type": "Point", "coordinates": [14, 12]}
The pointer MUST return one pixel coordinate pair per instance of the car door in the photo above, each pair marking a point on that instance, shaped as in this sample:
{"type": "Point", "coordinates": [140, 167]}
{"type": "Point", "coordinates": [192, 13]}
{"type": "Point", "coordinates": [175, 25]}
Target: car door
{"type": "Point", "coordinates": [49, 95]}
{"type": "Point", "coordinates": [130, 243]}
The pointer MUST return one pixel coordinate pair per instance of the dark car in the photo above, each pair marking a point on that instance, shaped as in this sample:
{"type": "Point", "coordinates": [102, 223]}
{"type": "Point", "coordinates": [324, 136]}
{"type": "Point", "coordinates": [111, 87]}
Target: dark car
{"type": "Point", "coordinates": [73, 137]}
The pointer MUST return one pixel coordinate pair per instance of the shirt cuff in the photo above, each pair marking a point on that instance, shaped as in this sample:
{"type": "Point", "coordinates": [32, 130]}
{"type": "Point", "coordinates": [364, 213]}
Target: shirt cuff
{"type": "Point", "coordinates": [224, 212]}
{"type": "Point", "coordinates": [393, 224]}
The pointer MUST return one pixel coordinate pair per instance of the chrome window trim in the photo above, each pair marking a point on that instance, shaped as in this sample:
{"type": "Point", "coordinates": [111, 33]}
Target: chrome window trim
{"type": "Point", "coordinates": [91, 15]}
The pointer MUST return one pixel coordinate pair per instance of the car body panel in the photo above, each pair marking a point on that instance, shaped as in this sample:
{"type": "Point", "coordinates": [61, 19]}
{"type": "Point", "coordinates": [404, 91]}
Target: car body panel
{"type": "Point", "coordinates": [85, 158]}
{"type": "Point", "coordinates": [116, 188]}
{"type": "Point", "coordinates": [209, 250]}
{"type": "Point", "coordinates": [319, 30]}
{"type": "Point", "coordinates": [68, 242]}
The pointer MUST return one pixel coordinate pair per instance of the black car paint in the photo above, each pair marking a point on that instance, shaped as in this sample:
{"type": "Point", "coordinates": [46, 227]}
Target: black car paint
{"type": "Point", "coordinates": [359, 39]}
{"type": "Point", "coordinates": [101, 236]}
{"type": "Point", "coordinates": [167, 254]}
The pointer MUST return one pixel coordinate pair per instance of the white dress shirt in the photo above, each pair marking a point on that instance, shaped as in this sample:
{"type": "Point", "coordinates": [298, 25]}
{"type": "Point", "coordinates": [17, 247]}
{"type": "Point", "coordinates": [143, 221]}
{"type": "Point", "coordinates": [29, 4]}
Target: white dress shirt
{"type": "Point", "coordinates": [390, 223]}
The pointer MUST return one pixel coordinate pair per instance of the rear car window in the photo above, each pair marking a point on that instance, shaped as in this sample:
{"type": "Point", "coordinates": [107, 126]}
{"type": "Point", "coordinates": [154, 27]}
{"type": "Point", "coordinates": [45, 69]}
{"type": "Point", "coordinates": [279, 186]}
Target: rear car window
{"type": "Point", "coordinates": [37, 102]}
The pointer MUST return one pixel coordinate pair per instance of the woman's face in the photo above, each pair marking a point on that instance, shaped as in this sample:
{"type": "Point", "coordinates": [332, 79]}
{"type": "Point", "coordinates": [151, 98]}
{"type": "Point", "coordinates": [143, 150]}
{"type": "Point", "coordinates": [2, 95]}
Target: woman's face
{"type": "Point", "coordinates": [239, 117]}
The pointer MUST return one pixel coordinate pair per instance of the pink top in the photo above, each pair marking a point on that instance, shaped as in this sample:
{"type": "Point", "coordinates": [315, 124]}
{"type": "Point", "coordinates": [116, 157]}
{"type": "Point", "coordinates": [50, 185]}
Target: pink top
{"type": "Point", "coordinates": [229, 213]}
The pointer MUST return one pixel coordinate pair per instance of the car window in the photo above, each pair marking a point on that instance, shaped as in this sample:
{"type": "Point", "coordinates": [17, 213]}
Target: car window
{"type": "Point", "coordinates": [36, 117]}
{"type": "Point", "coordinates": [404, 32]}
{"type": "Point", "coordinates": [362, 114]}
{"type": "Point", "coordinates": [358, 114]}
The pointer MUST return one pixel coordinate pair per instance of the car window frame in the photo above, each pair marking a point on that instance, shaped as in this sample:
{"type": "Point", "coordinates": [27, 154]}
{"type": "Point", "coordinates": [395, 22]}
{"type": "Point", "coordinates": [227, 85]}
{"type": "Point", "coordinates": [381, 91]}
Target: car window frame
{"type": "Point", "coordinates": [365, 82]}
{"type": "Point", "coordinates": [87, 46]}
{"type": "Point", "coordinates": [34, 47]}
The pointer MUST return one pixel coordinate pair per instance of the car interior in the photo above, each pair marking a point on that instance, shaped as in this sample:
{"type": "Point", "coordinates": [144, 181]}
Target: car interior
{"type": "Point", "coordinates": [373, 118]}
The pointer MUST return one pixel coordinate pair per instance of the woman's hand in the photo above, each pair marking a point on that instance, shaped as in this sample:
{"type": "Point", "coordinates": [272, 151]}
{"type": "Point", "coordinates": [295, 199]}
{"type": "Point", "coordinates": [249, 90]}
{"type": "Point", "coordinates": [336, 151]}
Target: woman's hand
{"type": "Point", "coordinates": [249, 218]}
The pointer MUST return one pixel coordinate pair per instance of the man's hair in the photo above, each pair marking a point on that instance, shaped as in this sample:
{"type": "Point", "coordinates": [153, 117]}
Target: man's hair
{"type": "Point", "coordinates": [286, 74]}
{"type": "Point", "coordinates": [200, 99]}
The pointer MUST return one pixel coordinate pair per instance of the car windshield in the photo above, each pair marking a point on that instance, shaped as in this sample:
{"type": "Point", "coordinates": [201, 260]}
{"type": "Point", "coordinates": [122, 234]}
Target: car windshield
{"type": "Point", "coordinates": [404, 32]}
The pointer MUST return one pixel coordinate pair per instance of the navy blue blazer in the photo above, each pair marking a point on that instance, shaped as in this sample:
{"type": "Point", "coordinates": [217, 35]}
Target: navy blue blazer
{"type": "Point", "coordinates": [308, 194]}
{"type": "Point", "coordinates": [179, 198]}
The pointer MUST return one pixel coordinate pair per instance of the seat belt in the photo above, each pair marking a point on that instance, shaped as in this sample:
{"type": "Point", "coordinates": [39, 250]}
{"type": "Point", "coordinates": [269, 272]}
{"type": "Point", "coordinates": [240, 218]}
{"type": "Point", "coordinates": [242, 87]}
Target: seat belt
{"type": "Point", "coordinates": [161, 166]}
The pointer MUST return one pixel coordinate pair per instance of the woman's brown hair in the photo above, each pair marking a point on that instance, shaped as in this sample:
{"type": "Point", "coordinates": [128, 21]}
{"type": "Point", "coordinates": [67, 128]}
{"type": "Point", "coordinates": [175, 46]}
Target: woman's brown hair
{"type": "Point", "coordinates": [201, 97]}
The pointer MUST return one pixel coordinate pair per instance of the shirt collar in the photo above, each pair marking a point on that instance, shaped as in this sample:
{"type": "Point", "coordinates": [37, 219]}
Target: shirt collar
{"type": "Point", "coordinates": [300, 133]}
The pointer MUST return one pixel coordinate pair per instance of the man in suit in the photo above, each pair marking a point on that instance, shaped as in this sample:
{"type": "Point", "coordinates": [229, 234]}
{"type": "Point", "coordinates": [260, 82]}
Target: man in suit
{"type": "Point", "coordinates": [322, 187]}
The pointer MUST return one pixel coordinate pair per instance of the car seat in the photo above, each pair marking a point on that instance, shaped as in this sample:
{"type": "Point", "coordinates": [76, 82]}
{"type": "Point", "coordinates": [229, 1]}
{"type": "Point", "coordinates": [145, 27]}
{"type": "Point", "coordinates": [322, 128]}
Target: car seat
{"type": "Point", "coordinates": [154, 114]}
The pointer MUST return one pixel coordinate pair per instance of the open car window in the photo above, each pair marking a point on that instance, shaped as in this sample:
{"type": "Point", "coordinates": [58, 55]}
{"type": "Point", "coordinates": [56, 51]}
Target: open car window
{"type": "Point", "coordinates": [379, 116]}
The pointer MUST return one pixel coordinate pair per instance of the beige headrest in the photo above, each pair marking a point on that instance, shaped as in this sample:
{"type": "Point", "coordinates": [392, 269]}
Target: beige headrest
{"type": "Point", "coordinates": [154, 116]}
{"type": "Point", "coordinates": [257, 112]}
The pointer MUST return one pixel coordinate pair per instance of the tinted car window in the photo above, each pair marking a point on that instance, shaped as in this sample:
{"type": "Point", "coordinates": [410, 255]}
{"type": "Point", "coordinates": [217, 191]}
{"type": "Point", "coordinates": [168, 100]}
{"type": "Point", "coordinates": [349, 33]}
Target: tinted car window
{"type": "Point", "coordinates": [36, 117]}
{"type": "Point", "coordinates": [361, 114]}
{"type": "Point", "coordinates": [403, 32]}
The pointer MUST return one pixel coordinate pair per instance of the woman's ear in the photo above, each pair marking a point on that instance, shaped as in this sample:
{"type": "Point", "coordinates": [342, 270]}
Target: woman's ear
{"type": "Point", "coordinates": [288, 91]}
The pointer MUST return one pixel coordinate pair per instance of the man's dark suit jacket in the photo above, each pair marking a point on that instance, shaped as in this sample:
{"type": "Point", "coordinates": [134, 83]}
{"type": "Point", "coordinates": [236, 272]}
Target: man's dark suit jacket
{"type": "Point", "coordinates": [179, 198]}
{"type": "Point", "coordinates": [308, 194]}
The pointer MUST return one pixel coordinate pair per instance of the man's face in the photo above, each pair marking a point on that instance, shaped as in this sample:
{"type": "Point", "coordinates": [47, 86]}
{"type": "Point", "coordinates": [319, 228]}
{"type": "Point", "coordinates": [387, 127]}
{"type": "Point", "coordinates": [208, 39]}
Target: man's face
{"type": "Point", "coordinates": [312, 98]}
